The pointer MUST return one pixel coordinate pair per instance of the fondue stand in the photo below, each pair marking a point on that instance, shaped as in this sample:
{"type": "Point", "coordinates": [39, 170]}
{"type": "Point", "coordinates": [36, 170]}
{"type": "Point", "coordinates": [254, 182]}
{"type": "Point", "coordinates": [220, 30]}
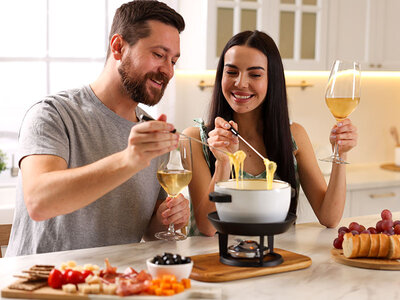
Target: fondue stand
{"type": "Point", "coordinates": [263, 256]}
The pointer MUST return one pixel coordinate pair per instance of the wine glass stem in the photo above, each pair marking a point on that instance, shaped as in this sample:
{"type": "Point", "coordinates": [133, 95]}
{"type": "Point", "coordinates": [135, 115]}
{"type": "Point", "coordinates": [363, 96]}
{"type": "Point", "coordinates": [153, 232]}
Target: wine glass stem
{"type": "Point", "coordinates": [336, 151]}
{"type": "Point", "coordinates": [171, 228]}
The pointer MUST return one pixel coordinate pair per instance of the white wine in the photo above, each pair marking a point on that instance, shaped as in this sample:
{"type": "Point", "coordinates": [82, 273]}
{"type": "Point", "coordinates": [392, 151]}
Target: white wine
{"type": "Point", "coordinates": [341, 108]}
{"type": "Point", "coordinates": [173, 181]}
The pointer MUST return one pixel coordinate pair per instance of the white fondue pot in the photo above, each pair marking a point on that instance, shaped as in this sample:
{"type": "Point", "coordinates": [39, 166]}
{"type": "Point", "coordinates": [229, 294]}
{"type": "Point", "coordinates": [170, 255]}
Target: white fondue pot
{"type": "Point", "coordinates": [251, 202]}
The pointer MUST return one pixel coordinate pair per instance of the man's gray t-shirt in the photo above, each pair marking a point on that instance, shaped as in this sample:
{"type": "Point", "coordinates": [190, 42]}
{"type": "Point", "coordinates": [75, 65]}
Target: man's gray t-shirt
{"type": "Point", "coordinates": [76, 126]}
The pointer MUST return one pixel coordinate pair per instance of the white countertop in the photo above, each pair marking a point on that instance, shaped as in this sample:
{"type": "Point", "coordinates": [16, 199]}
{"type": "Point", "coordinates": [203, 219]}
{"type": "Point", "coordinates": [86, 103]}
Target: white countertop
{"type": "Point", "coordinates": [370, 176]}
{"type": "Point", "coordinates": [324, 279]}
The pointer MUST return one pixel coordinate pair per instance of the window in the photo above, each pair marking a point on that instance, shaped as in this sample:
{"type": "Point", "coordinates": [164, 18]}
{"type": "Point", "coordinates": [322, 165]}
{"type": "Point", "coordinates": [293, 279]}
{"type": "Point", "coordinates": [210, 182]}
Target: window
{"type": "Point", "coordinates": [49, 46]}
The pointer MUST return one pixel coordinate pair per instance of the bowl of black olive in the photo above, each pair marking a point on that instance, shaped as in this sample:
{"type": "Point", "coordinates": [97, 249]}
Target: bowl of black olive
{"type": "Point", "coordinates": [170, 264]}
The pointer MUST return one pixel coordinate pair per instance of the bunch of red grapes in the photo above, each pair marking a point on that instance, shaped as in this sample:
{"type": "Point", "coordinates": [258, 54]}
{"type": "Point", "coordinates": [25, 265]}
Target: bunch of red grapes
{"type": "Point", "coordinates": [386, 225]}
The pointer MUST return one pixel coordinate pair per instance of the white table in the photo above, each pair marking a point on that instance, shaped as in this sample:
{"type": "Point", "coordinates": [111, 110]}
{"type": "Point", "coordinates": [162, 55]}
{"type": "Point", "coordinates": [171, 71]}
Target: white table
{"type": "Point", "coordinates": [324, 279]}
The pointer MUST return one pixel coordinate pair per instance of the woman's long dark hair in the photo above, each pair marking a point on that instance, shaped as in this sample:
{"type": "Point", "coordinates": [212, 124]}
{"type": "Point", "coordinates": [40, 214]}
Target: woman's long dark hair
{"type": "Point", "coordinates": [276, 128]}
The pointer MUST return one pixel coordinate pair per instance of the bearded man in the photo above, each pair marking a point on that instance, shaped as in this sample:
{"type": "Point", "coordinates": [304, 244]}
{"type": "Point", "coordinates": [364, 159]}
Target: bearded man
{"type": "Point", "coordinates": [88, 163]}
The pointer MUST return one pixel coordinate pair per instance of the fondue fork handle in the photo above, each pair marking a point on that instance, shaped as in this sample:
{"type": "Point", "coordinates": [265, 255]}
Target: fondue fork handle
{"type": "Point", "coordinates": [146, 118]}
{"type": "Point", "coordinates": [240, 137]}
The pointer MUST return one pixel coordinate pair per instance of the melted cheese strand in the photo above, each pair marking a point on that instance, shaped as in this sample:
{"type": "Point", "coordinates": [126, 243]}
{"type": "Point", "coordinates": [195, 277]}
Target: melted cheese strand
{"type": "Point", "coordinates": [270, 168]}
{"type": "Point", "coordinates": [237, 161]}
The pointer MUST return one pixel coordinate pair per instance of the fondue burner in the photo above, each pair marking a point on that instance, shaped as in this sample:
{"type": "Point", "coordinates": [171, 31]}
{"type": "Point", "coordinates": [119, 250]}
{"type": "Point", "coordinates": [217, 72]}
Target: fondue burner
{"type": "Point", "coordinates": [246, 249]}
{"type": "Point", "coordinates": [259, 255]}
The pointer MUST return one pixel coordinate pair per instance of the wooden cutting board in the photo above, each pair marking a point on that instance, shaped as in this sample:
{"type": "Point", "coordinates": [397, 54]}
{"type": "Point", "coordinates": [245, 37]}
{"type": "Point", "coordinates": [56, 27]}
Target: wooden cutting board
{"type": "Point", "coordinates": [390, 167]}
{"type": "Point", "coordinates": [195, 292]}
{"type": "Point", "coordinates": [207, 267]}
{"type": "Point", "coordinates": [42, 293]}
{"type": "Point", "coordinates": [366, 263]}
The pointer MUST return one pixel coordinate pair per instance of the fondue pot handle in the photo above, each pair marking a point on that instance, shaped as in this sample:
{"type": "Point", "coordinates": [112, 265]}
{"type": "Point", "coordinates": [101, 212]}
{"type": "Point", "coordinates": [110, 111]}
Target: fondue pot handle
{"type": "Point", "coordinates": [219, 197]}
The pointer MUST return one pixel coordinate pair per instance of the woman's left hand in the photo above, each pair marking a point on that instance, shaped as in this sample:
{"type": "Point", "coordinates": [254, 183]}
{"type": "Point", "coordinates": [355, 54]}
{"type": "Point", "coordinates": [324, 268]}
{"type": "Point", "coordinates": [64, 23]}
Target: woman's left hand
{"type": "Point", "coordinates": [345, 133]}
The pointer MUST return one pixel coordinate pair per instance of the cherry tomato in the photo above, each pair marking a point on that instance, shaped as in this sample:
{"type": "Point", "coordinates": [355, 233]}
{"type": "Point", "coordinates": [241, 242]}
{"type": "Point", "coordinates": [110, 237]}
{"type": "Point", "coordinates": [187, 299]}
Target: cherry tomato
{"type": "Point", "coordinates": [55, 279]}
{"type": "Point", "coordinates": [74, 277]}
{"type": "Point", "coordinates": [65, 272]}
{"type": "Point", "coordinates": [86, 273]}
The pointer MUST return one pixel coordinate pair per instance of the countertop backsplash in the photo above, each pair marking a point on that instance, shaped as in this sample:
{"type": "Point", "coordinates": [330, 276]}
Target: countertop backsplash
{"type": "Point", "coordinates": [379, 109]}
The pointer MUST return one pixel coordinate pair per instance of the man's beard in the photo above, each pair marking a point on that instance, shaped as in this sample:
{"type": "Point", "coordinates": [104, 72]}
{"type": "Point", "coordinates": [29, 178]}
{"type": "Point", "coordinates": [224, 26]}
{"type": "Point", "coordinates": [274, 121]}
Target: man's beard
{"type": "Point", "coordinates": [135, 87]}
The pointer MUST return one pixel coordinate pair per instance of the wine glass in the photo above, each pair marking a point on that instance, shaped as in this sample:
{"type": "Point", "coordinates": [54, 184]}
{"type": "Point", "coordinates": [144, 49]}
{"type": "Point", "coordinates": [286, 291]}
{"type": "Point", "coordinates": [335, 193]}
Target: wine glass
{"type": "Point", "coordinates": [342, 96]}
{"type": "Point", "coordinates": [174, 173]}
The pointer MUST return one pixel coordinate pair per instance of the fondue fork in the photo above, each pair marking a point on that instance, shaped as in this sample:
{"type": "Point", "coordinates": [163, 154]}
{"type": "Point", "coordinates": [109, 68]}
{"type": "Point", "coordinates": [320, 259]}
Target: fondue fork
{"type": "Point", "coordinates": [146, 118]}
{"type": "Point", "coordinates": [234, 131]}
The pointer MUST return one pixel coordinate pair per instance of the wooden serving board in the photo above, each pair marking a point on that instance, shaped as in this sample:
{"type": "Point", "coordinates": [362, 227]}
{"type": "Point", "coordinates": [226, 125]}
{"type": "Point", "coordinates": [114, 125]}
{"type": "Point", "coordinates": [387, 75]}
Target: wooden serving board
{"type": "Point", "coordinates": [390, 167]}
{"type": "Point", "coordinates": [207, 267]}
{"type": "Point", "coordinates": [366, 263]}
{"type": "Point", "coordinates": [195, 292]}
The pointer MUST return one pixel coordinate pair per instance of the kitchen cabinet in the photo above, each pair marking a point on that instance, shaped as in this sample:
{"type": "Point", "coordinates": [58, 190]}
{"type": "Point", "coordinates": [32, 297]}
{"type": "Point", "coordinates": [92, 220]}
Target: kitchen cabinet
{"type": "Point", "coordinates": [300, 33]}
{"type": "Point", "coordinates": [306, 214]}
{"type": "Point", "coordinates": [365, 30]}
{"type": "Point", "coordinates": [373, 201]}
{"type": "Point", "coordinates": [359, 202]}
{"type": "Point", "coordinates": [297, 26]}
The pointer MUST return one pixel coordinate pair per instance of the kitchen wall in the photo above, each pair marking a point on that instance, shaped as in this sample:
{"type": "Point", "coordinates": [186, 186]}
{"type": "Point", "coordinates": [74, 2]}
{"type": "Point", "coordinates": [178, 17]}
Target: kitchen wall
{"type": "Point", "coordinates": [379, 109]}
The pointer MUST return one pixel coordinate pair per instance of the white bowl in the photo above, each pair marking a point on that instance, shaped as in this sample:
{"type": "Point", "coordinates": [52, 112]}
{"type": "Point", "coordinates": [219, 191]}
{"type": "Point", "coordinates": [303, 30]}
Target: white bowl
{"type": "Point", "coordinates": [251, 201]}
{"type": "Point", "coordinates": [179, 270]}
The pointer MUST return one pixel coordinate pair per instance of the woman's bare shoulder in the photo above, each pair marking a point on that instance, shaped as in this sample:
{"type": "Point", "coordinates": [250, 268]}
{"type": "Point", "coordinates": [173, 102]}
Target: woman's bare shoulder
{"type": "Point", "coordinates": [192, 132]}
{"type": "Point", "coordinates": [297, 130]}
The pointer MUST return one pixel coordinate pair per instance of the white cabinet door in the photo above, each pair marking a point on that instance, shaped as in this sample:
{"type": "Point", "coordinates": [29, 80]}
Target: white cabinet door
{"type": "Point", "coordinates": [301, 33]}
{"type": "Point", "coordinates": [385, 48]}
{"type": "Point", "coordinates": [373, 201]}
{"type": "Point", "coordinates": [349, 31]}
{"type": "Point", "coordinates": [366, 31]}
{"type": "Point", "coordinates": [298, 27]}
{"type": "Point", "coordinates": [306, 214]}
{"type": "Point", "coordinates": [211, 23]}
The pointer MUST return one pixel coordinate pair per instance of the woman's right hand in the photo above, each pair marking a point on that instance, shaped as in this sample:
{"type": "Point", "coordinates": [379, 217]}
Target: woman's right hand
{"type": "Point", "coordinates": [222, 138]}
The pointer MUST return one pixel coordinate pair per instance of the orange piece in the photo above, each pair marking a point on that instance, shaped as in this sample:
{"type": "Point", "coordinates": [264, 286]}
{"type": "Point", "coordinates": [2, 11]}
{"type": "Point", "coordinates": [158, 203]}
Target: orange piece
{"type": "Point", "coordinates": [165, 285]}
{"type": "Point", "coordinates": [168, 278]}
{"type": "Point", "coordinates": [156, 281]}
{"type": "Point", "coordinates": [152, 289]}
{"type": "Point", "coordinates": [158, 292]}
{"type": "Point", "coordinates": [186, 282]}
{"type": "Point", "coordinates": [168, 292]}
{"type": "Point", "coordinates": [178, 287]}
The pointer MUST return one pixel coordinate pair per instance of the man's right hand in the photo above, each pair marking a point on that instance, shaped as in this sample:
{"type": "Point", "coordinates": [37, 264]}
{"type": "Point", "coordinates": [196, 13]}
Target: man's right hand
{"type": "Point", "coordinates": [148, 140]}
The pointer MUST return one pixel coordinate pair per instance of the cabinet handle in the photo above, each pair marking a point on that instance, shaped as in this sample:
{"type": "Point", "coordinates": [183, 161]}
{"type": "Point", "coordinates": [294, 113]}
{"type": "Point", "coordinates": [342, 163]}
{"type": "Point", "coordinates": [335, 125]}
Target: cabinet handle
{"type": "Point", "coordinates": [384, 195]}
{"type": "Point", "coordinates": [371, 65]}
{"type": "Point", "coordinates": [379, 65]}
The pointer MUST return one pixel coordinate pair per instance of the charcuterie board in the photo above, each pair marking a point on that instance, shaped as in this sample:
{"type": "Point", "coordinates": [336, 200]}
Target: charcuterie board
{"type": "Point", "coordinates": [366, 263]}
{"type": "Point", "coordinates": [208, 268]}
{"type": "Point", "coordinates": [195, 292]}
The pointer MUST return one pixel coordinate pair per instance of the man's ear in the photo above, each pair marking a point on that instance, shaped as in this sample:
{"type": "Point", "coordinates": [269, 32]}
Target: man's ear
{"type": "Point", "coordinates": [116, 44]}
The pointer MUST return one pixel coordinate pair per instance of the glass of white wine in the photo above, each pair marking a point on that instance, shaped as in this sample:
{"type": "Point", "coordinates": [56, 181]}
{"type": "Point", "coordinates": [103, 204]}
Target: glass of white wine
{"type": "Point", "coordinates": [342, 96]}
{"type": "Point", "coordinates": [174, 173]}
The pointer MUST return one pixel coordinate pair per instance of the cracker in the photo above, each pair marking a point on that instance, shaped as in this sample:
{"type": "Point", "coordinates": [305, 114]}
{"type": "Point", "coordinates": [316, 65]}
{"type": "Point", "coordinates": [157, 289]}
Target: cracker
{"type": "Point", "coordinates": [27, 285]}
{"type": "Point", "coordinates": [30, 278]}
{"type": "Point", "coordinates": [39, 274]}
{"type": "Point", "coordinates": [47, 267]}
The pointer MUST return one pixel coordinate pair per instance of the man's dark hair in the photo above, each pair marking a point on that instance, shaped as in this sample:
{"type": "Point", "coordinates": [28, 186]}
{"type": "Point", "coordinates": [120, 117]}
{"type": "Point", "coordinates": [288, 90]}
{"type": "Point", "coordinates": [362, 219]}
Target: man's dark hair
{"type": "Point", "coordinates": [130, 20]}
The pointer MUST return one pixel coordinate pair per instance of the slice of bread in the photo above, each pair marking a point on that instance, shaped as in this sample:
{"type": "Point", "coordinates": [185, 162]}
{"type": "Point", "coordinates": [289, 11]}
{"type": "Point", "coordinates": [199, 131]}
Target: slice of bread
{"type": "Point", "coordinates": [374, 246]}
{"type": "Point", "coordinates": [351, 245]}
{"type": "Point", "coordinates": [383, 245]}
{"type": "Point", "coordinates": [365, 245]}
{"type": "Point", "coordinates": [394, 247]}
{"type": "Point", "coordinates": [378, 245]}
